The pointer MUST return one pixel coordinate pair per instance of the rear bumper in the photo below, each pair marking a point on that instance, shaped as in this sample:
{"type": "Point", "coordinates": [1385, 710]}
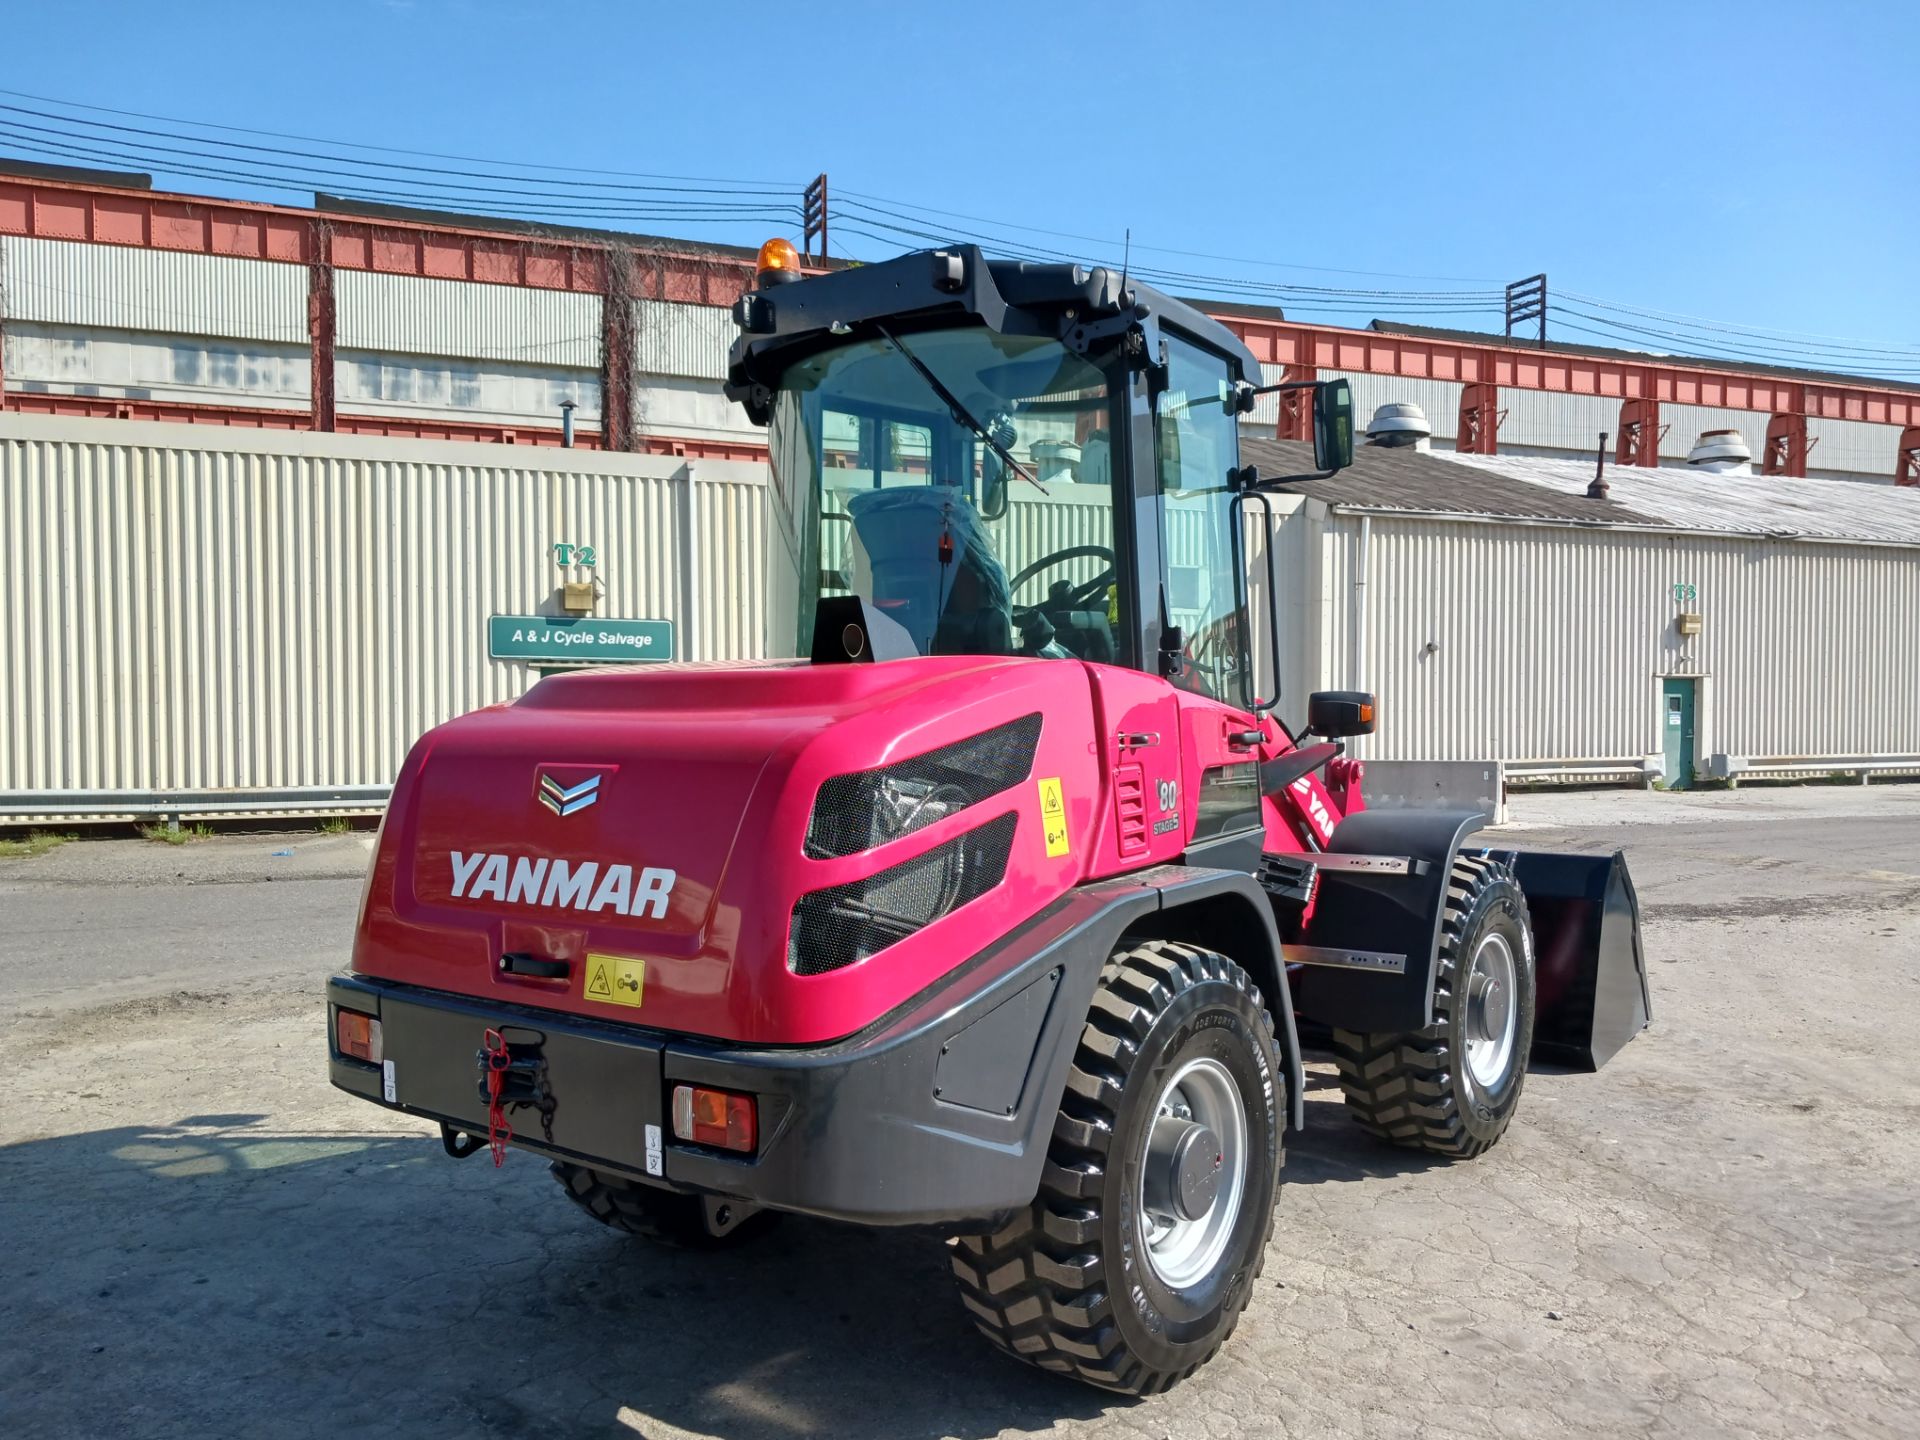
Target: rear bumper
{"type": "Point", "coordinates": [939, 1112]}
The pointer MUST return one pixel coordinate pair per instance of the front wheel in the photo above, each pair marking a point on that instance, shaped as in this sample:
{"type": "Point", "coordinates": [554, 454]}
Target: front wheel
{"type": "Point", "coordinates": [1132, 1265]}
{"type": "Point", "coordinates": [1452, 1088]}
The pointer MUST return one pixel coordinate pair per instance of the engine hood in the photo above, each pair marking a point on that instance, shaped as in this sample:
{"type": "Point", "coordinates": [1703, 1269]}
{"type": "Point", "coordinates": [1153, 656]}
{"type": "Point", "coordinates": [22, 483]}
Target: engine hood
{"type": "Point", "coordinates": [631, 844]}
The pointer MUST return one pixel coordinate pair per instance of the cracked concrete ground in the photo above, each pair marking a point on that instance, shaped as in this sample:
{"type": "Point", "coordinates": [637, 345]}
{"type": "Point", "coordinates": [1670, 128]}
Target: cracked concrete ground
{"type": "Point", "coordinates": [1719, 1234]}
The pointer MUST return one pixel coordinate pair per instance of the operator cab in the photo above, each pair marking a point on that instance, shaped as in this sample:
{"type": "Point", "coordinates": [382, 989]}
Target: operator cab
{"type": "Point", "coordinates": [1000, 458]}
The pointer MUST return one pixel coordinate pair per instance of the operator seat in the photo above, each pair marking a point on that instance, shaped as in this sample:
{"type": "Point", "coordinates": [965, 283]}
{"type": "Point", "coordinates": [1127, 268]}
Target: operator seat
{"type": "Point", "coordinates": [961, 607]}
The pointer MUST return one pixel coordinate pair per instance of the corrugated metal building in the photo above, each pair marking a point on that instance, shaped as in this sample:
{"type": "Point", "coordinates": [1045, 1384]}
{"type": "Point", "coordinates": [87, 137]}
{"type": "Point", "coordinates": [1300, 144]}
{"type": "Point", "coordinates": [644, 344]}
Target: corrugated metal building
{"type": "Point", "coordinates": [192, 609]}
{"type": "Point", "coordinates": [251, 601]}
{"type": "Point", "coordinates": [1501, 614]}
{"type": "Point", "coordinates": [271, 615]}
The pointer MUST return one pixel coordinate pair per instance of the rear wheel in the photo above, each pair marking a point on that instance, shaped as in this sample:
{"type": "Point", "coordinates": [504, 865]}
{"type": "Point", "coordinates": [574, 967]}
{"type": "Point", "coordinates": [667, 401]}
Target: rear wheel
{"type": "Point", "coordinates": [1132, 1265]}
{"type": "Point", "coordinates": [663, 1216]}
{"type": "Point", "coordinates": [1453, 1087]}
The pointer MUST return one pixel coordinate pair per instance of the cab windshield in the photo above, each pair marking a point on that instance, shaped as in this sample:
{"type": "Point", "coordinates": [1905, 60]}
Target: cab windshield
{"type": "Point", "coordinates": [891, 480]}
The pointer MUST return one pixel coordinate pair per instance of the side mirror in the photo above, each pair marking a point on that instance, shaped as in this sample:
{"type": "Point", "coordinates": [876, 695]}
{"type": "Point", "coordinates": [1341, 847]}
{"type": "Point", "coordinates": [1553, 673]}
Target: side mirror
{"type": "Point", "coordinates": [1334, 713]}
{"type": "Point", "coordinates": [1333, 427]}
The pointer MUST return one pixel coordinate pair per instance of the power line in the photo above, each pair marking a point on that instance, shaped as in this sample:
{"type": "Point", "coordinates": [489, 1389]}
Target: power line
{"type": "Point", "coordinates": [1635, 338]}
{"type": "Point", "coordinates": [433, 170]}
{"type": "Point", "coordinates": [1456, 300]}
{"type": "Point", "coordinates": [1780, 337]}
{"type": "Point", "coordinates": [509, 189]}
{"type": "Point", "coordinates": [1762, 331]}
{"type": "Point", "coordinates": [382, 149]}
{"type": "Point", "coordinates": [301, 180]}
{"type": "Point", "coordinates": [1157, 249]}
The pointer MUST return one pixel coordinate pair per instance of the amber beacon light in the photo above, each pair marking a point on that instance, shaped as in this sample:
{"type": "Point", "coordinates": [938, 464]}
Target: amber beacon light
{"type": "Point", "coordinates": [779, 262]}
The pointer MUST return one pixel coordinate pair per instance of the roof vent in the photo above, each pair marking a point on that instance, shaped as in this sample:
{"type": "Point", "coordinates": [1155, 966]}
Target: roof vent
{"type": "Point", "coordinates": [1400, 427]}
{"type": "Point", "coordinates": [1724, 452]}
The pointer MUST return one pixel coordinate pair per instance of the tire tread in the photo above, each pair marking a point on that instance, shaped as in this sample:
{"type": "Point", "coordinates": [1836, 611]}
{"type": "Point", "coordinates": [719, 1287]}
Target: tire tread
{"type": "Point", "coordinates": [1399, 1087]}
{"type": "Point", "coordinates": [1037, 1287]}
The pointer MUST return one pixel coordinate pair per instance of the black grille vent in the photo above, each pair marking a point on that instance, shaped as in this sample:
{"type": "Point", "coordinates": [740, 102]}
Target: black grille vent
{"type": "Point", "coordinates": [857, 812]}
{"type": "Point", "coordinates": [833, 928]}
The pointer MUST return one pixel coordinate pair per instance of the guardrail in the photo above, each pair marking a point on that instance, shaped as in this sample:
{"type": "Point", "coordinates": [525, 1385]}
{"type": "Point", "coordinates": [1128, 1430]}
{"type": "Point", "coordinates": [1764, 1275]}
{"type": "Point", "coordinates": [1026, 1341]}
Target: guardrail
{"type": "Point", "coordinates": [1731, 768]}
{"type": "Point", "coordinates": [1644, 768]}
{"type": "Point", "coordinates": [172, 806]}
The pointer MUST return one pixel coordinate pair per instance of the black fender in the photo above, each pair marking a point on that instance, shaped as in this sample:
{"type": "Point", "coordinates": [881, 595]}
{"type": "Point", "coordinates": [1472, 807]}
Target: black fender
{"type": "Point", "coordinates": [1227, 911]}
{"type": "Point", "coordinates": [949, 1102]}
{"type": "Point", "coordinates": [1374, 937]}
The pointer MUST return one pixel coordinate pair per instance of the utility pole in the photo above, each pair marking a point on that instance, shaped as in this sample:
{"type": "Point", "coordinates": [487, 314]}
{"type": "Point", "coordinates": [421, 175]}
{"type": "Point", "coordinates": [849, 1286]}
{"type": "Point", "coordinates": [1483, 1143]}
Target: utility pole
{"type": "Point", "coordinates": [813, 209]}
{"type": "Point", "coordinates": [1527, 300]}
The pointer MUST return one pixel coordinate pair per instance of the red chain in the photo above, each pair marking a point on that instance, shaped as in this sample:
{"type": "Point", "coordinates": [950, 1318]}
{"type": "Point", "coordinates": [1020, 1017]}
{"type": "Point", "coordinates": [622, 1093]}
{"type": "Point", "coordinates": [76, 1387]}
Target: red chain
{"type": "Point", "coordinates": [499, 1132]}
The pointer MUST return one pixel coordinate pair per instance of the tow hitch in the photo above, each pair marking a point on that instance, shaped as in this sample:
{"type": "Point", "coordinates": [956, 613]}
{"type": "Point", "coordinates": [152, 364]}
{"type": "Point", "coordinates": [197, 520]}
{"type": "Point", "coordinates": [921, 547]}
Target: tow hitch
{"type": "Point", "coordinates": [509, 1079]}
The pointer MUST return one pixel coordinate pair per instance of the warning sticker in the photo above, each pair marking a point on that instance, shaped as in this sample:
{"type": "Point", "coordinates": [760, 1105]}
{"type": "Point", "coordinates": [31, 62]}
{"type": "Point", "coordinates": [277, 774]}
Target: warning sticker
{"type": "Point", "coordinates": [1053, 817]}
{"type": "Point", "coordinates": [615, 980]}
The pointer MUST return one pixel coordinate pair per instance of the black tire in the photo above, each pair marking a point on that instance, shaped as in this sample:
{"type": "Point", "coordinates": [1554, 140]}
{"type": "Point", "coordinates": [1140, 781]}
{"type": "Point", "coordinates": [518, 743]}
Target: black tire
{"type": "Point", "coordinates": [663, 1216]}
{"type": "Point", "coordinates": [1416, 1089]}
{"type": "Point", "coordinates": [1068, 1284]}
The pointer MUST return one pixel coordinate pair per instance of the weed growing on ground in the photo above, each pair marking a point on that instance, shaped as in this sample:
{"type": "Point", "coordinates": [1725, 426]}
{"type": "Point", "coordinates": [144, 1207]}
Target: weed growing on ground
{"type": "Point", "coordinates": [166, 836]}
{"type": "Point", "coordinates": [36, 844]}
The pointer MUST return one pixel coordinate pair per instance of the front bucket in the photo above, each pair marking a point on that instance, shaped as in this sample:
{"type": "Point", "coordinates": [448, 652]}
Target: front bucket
{"type": "Point", "coordinates": [1591, 977]}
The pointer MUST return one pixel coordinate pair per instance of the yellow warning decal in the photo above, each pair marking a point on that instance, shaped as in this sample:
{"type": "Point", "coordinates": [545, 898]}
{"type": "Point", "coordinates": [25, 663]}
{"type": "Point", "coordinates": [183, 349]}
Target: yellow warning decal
{"type": "Point", "coordinates": [615, 980]}
{"type": "Point", "coordinates": [1053, 818]}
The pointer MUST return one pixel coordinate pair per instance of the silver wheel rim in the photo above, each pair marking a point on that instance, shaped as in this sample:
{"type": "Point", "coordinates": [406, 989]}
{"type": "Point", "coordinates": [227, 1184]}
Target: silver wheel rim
{"type": "Point", "coordinates": [1183, 1252]}
{"type": "Point", "coordinates": [1492, 1015]}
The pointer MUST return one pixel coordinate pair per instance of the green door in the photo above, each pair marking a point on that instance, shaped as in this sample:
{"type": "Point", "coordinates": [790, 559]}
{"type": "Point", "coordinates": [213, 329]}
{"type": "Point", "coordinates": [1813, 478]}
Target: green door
{"type": "Point", "coordinates": [1676, 730]}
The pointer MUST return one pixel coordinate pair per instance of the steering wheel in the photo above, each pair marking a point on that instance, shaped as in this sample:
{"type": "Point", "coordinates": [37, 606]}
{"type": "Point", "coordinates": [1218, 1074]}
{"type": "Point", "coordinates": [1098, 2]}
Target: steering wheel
{"type": "Point", "coordinates": [1084, 593]}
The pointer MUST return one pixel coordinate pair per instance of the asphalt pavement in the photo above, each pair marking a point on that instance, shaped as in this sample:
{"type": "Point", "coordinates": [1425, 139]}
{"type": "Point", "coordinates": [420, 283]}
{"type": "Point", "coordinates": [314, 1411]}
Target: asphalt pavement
{"type": "Point", "coordinates": [1716, 1235]}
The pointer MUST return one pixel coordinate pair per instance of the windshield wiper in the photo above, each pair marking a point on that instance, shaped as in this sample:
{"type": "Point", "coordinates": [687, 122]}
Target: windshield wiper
{"type": "Point", "coordinates": [960, 412]}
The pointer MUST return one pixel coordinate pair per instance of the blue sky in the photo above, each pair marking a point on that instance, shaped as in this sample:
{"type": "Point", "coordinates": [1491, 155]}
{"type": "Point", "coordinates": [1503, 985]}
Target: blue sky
{"type": "Point", "coordinates": [1749, 163]}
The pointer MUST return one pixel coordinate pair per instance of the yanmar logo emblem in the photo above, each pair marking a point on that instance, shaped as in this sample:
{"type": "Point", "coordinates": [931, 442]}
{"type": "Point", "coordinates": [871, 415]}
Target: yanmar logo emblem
{"type": "Point", "coordinates": [585, 885]}
{"type": "Point", "coordinates": [564, 799]}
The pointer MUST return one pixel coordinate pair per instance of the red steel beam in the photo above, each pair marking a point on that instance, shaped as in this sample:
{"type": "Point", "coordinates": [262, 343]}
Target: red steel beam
{"type": "Point", "coordinates": [1785, 451]}
{"type": "Point", "coordinates": [321, 317]}
{"type": "Point", "coordinates": [619, 277]}
{"type": "Point", "coordinates": [1296, 406]}
{"type": "Point", "coordinates": [108, 407]}
{"type": "Point", "coordinates": [249, 417]}
{"type": "Point", "coordinates": [1283, 342]}
{"type": "Point", "coordinates": [1479, 428]}
{"type": "Point", "coordinates": [1637, 441]}
{"type": "Point", "coordinates": [62, 210]}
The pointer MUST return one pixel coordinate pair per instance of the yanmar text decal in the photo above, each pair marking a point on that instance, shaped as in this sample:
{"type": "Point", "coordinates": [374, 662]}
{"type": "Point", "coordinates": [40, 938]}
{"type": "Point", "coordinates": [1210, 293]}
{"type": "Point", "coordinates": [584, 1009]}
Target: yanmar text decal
{"type": "Point", "coordinates": [562, 884]}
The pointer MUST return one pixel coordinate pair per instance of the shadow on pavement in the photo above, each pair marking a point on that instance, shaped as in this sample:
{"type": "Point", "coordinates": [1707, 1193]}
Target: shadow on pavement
{"type": "Point", "coordinates": [220, 1276]}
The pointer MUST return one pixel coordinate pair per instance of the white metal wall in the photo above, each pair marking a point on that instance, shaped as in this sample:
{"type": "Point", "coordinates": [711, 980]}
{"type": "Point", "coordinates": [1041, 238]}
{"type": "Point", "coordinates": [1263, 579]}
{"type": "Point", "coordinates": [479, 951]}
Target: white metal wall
{"type": "Point", "coordinates": [467, 320]}
{"type": "Point", "coordinates": [142, 365]}
{"type": "Point", "coordinates": [689, 341]}
{"type": "Point", "coordinates": [1549, 642]}
{"type": "Point", "coordinates": [124, 287]}
{"type": "Point", "coordinates": [194, 610]}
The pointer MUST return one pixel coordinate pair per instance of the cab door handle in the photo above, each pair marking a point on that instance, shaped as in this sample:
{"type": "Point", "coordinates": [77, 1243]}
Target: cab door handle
{"type": "Point", "coordinates": [1244, 739]}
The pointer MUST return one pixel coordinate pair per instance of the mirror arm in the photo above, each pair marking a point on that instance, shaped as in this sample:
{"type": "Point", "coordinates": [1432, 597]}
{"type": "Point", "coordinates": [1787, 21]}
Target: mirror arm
{"type": "Point", "coordinates": [1274, 482]}
{"type": "Point", "coordinates": [1244, 394]}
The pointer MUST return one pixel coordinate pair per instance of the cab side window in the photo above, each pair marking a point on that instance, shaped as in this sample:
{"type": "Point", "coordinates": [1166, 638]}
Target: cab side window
{"type": "Point", "coordinates": [1197, 442]}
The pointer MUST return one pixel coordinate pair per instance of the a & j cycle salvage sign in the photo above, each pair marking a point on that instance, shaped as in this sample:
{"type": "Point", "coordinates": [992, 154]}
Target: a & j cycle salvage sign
{"type": "Point", "coordinates": [582, 639]}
